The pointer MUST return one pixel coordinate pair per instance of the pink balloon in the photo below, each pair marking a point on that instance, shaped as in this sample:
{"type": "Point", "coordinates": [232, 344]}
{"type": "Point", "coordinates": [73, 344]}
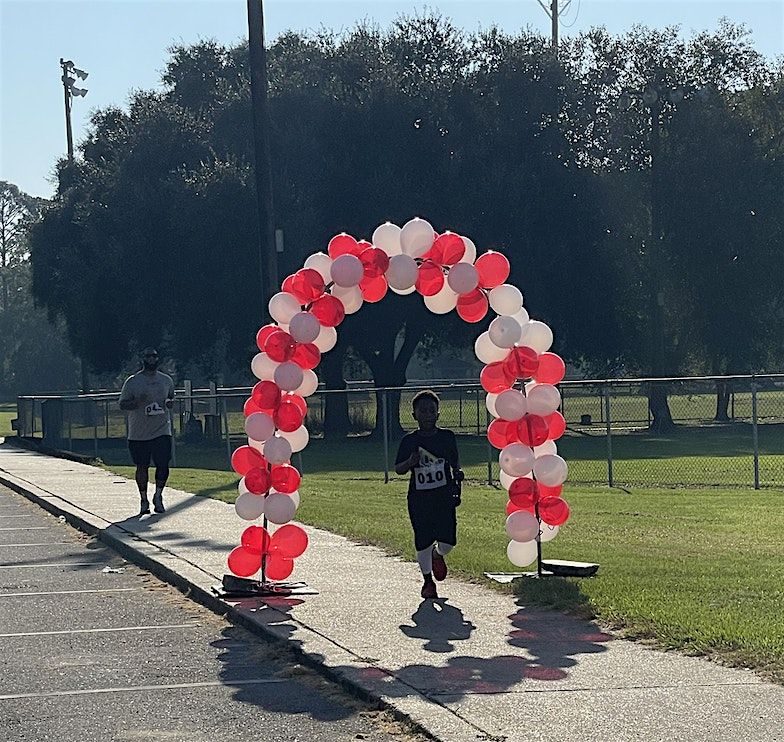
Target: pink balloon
{"type": "Point", "coordinates": [343, 244]}
{"type": "Point", "coordinates": [472, 307]}
{"type": "Point", "coordinates": [551, 369]}
{"type": "Point", "coordinates": [328, 310]}
{"type": "Point", "coordinates": [289, 541]}
{"type": "Point", "coordinates": [493, 268]}
{"type": "Point", "coordinates": [244, 563]}
{"type": "Point", "coordinates": [430, 279]}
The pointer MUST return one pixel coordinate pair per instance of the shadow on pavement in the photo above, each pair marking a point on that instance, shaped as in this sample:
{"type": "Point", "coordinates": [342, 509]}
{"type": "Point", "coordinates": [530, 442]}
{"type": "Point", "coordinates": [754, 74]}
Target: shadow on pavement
{"type": "Point", "coordinates": [440, 624]}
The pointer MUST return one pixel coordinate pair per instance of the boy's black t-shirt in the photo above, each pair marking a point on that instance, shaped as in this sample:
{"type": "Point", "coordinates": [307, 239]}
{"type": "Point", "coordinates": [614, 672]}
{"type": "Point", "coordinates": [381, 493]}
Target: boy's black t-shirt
{"type": "Point", "coordinates": [438, 455]}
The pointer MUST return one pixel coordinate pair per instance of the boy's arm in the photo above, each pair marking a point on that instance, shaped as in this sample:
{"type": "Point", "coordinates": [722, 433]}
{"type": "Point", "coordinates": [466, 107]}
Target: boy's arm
{"type": "Point", "coordinates": [406, 460]}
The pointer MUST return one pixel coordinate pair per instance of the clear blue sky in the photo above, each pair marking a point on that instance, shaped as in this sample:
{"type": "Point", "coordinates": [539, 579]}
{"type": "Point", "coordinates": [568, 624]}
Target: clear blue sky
{"type": "Point", "coordinates": [122, 44]}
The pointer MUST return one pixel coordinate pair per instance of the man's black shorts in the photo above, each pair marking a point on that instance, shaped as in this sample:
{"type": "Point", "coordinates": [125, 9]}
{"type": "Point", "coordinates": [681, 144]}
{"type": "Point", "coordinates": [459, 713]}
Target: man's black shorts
{"type": "Point", "coordinates": [158, 449]}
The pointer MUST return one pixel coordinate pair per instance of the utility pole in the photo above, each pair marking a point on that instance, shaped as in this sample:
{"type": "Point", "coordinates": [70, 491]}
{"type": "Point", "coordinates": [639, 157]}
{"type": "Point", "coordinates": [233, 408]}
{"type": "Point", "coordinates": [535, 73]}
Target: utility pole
{"type": "Point", "coordinates": [554, 14]}
{"type": "Point", "coordinates": [268, 260]}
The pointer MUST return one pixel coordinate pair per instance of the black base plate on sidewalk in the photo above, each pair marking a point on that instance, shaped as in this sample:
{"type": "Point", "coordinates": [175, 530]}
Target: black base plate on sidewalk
{"type": "Point", "coordinates": [550, 568]}
{"type": "Point", "coordinates": [239, 587]}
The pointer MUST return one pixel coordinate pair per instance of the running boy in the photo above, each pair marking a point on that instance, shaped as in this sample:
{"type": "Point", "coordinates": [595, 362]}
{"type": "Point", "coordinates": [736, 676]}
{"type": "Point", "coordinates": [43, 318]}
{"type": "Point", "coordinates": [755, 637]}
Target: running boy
{"type": "Point", "coordinates": [430, 454]}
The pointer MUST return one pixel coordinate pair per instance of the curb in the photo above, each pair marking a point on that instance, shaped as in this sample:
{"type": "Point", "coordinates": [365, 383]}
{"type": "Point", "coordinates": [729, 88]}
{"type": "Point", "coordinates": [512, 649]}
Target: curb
{"type": "Point", "coordinates": [192, 590]}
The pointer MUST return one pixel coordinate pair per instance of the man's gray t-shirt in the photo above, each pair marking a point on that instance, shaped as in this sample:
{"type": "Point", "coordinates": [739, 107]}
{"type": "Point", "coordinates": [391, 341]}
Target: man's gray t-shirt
{"type": "Point", "coordinates": [150, 419]}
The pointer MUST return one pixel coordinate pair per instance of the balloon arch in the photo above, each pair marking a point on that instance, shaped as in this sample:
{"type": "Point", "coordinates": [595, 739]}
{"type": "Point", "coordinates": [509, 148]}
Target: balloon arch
{"type": "Point", "coordinates": [312, 302]}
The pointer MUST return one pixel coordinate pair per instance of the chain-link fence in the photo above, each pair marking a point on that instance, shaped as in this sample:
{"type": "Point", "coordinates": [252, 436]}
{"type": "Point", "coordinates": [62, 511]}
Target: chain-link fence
{"type": "Point", "coordinates": [727, 431]}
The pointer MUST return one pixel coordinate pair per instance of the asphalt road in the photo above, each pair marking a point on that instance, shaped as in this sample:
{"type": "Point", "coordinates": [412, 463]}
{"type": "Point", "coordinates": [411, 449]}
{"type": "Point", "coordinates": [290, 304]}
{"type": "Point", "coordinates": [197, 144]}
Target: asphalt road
{"type": "Point", "coordinates": [94, 648]}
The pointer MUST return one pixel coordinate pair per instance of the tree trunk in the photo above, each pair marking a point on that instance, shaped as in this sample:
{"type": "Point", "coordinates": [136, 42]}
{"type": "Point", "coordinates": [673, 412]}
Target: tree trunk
{"type": "Point", "coordinates": [659, 406]}
{"type": "Point", "coordinates": [722, 401]}
{"type": "Point", "coordinates": [336, 422]}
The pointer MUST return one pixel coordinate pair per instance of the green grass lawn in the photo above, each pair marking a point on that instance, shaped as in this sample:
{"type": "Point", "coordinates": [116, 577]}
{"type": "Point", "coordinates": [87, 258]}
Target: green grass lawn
{"type": "Point", "coordinates": [694, 569]}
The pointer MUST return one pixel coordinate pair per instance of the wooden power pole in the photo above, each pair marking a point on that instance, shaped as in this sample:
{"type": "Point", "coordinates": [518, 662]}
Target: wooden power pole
{"type": "Point", "coordinates": [554, 13]}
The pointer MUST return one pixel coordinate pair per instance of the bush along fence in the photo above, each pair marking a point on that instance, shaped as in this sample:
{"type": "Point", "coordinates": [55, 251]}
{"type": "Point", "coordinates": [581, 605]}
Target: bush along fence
{"type": "Point", "coordinates": [724, 431]}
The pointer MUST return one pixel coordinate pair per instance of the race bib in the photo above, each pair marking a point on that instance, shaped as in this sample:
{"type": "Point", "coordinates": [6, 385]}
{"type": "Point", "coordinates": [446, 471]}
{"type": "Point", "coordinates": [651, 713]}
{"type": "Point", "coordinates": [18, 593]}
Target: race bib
{"type": "Point", "coordinates": [154, 409]}
{"type": "Point", "coordinates": [431, 472]}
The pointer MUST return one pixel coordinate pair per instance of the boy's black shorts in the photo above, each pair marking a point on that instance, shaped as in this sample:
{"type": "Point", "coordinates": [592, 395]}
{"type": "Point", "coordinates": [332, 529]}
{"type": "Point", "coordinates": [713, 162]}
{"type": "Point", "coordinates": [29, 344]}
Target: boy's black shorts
{"type": "Point", "coordinates": [433, 518]}
{"type": "Point", "coordinates": [158, 449]}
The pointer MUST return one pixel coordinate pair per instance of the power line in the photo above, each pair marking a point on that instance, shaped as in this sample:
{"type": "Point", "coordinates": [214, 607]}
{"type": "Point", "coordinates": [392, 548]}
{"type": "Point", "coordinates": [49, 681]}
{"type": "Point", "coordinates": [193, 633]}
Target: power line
{"type": "Point", "coordinates": [554, 14]}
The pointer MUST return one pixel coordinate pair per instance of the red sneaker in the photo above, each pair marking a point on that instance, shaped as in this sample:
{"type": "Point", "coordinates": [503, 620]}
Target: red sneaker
{"type": "Point", "coordinates": [439, 566]}
{"type": "Point", "coordinates": [429, 591]}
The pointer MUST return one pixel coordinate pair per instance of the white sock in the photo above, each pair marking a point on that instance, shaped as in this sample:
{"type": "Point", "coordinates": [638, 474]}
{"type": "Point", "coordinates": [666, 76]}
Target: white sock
{"type": "Point", "coordinates": [443, 549]}
{"type": "Point", "coordinates": [425, 559]}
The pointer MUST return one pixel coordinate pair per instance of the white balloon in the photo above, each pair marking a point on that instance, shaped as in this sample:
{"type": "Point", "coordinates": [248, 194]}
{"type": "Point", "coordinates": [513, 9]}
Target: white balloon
{"type": "Point", "coordinates": [259, 426]}
{"type": "Point", "coordinates": [543, 399]}
{"type": "Point", "coordinates": [511, 405]}
{"type": "Point", "coordinates": [516, 459]}
{"type": "Point", "coordinates": [522, 317]}
{"type": "Point", "coordinates": [387, 237]}
{"type": "Point", "coordinates": [537, 335]}
{"type": "Point", "coordinates": [490, 403]}
{"type": "Point", "coordinates": [550, 470]}
{"type": "Point", "coordinates": [283, 306]}
{"type": "Point", "coordinates": [258, 445]}
{"type": "Point", "coordinates": [297, 439]}
{"type": "Point", "coordinates": [288, 376]}
{"type": "Point", "coordinates": [504, 332]}
{"type": "Point", "coordinates": [322, 263]}
{"type": "Point", "coordinates": [263, 367]}
{"type": "Point", "coordinates": [470, 251]}
{"type": "Point", "coordinates": [350, 297]}
{"type": "Point", "coordinates": [402, 272]}
{"type": "Point", "coordinates": [487, 351]}
{"type": "Point", "coordinates": [241, 487]}
{"type": "Point", "coordinates": [304, 327]}
{"type": "Point", "coordinates": [249, 506]}
{"type": "Point", "coordinates": [416, 237]}
{"type": "Point", "coordinates": [326, 339]}
{"type": "Point", "coordinates": [521, 553]}
{"type": "Point", "coordinates": [279, 508]}
{"type": "Point", "coordinates": [277, 450]}
{"type": "Point", "coordinates": [463, 278]}
{"type": "Point", "coordinates": [548, 448]}
{"type": "Point", "coordinates": [506, 299]}
{"type": "Point", "coordinates": [506, 479]}
{"type": "Point", "coordinates": [309, 383]}
{"type": "Point", "coordinates": [403, 292]}
{"type": "Point", "coordinates": [347, 270]}
{"type": "Point", "coordinates": [442, 302]}
{"type": "Point", "coordinates": [296, 497]}
{"type": "Point", "coordinates": [522, 526]}
{"type": "Point", "coordinates": [547, 532]}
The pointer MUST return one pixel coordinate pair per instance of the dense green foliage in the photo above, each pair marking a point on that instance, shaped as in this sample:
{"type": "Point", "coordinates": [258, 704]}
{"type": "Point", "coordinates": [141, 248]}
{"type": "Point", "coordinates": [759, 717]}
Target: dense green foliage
{"type": "Point", "coordinates": [549, 160]}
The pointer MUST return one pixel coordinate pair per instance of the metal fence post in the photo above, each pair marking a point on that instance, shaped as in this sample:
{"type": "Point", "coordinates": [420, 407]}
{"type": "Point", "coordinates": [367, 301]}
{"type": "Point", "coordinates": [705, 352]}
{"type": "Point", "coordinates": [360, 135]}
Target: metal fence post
{"type": "Point", "coordinates": [225, 415]}
{"type": "Point", "coordinates": [460, 400]}
{"type": "Point", "coordinates": [385, 429]}
{"type": "Point", "coordinates": [70, 427]}
{"type": "Point", "coordinates": [489, 450]}
{"type": "Point", "coordinates": [95, 430]}
{"type": "Point", "coordinates": [755, 432]}
{"type": "Point", "coordinates": [478, 394]}
{"type": "Point", "coordinates": [608, 422]}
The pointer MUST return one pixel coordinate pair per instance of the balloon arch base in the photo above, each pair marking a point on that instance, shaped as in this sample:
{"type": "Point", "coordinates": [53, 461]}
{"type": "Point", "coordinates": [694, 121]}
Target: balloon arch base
{"type": "Point", "coordinates": [548, 568]}
{"type": "Point", "coordinates": [241, 587]}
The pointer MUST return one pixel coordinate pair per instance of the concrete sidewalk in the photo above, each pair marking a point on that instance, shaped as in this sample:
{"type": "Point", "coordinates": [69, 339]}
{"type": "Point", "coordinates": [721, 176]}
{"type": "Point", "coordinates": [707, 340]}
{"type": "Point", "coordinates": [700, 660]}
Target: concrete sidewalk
{"type": "Point", "coordinates": [476, 665]}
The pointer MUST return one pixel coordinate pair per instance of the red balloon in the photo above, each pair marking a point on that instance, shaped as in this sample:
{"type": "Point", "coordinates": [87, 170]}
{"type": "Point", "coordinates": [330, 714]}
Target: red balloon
{"type": "Point", "coordinates": [533, 430]}
{"type": "Point", "coordinates": [278, 567]}
{"type": "Point", "coordinates": [288, 284]}
{"type": "Point", "coordinates": [244, 563]}
{"type": "Point", "coordinates": [280, 346]}
{"type": "Point", "coordinates": [297, 400]}
{"type": "Point", "coordinates": [289, 541]}
{"type": "Point", "coordinates": [493, 269]}
{"type": "Point", "coordinates": [373, 289]}
{"type": "Point", "coordinates": [545, 491]}
{"type": "Point", "coordinates": [250, 407]}
{"type": "Point", "coordinates": [307, 285]}
{"type": "Point", "coordinates": [343, 244]}
{"type": "Point", "coordinates": [288, 416]}
{"type": "Point", "coordinates": [246, 458]}
{"type": "Point", "coordinates": [285, 478]}
{"type": "Point", "coordinates": [551, 369]}
{"type": "Point", "coordinates": [501, 433]}
{"type": "Point", "coordinates": [257, 480]}
{"type": "Point", "coordinates": [523, 493]}
{"type": "Point", "coordinates": [495, 378]}
{"type": "Point", "coordinates": [266, 395]}
{"type": "Point", "coordinates": [522, 362]}
{"type": "Point", "coordinates": [472, 307]}
{"type": "Point", "coordinates": [511, 508]}
{"type": "Point", "coordinates": [447, 249]}
{"type": "Point", "coordinates": [255, 539]}
{"type": "Point", "coordinates": [430, 279]}
{"type": "Point", "coordinates": [263, 334]}
{"type": "Point", "coordinates": [307, 355]}
{"type": "Point", "coordinates": [375, 262]}
{"type": "Point", "coordinates": [328, 310]}
{"type": "Point", "coordinates": [553, 510]}
{"type": "Point", "coordinates": [556, 424]}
